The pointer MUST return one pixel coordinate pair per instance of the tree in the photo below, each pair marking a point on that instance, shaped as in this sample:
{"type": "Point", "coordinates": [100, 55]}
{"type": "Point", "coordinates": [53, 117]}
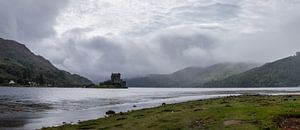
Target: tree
{"type": "Point", "coordinates": [40, 79]}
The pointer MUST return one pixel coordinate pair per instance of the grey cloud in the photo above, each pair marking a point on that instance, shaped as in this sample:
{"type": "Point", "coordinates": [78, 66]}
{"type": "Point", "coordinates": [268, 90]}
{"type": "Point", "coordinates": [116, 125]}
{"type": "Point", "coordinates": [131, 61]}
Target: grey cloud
{"type": "Point", "coordinates": [92, 57]}
{"type": "Point", "coordinates": [97, 57]}
{"type": "Point", "coordinates": [177, 46]}
{"type": "Point", "coordinates": [28, 20]}
{"type": "Point", "coordinates": [171, 49]}
{"type": "Point", "coordinates": [191, 35]}
{"type": "Point", "coordinates": [206, 13]}
{"type": "Point", "coordinates": [197, 12]}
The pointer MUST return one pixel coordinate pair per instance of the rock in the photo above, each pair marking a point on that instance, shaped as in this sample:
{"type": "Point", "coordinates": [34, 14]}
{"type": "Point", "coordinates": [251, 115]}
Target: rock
{"type": "Point", "coordinates": [110, 112]}
{"type": "Point", "coordinates": [232, 122]}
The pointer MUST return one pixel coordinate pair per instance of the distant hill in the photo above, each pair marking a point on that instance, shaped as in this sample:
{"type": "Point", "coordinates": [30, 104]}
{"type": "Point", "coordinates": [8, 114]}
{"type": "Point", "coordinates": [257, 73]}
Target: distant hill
{"type": "Point", "coordinates": [18, 63]}
{"type": "Point", "coordinates": [191, 76]}
{"type": "Point", "coordinates": [281, 73]}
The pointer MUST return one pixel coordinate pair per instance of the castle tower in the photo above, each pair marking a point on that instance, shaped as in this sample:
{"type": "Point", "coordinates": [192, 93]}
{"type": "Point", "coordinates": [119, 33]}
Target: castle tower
{"type": "Point", "coordinates": [116, 78]}
{"type": "Point", "coordinates": [298, 54]}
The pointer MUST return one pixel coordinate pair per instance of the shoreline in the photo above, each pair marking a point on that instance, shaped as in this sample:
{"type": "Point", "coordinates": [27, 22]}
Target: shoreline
{"type": "Point", "coordinates": [57, 87]}
{"type": "Point", "coordinates": [146, 87]}
{"type": "Point", "coordinates": [233, 112]}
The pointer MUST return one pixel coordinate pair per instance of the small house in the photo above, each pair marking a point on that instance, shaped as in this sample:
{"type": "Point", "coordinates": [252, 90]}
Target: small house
{"type": "Point", "coordinates": [11, 82]}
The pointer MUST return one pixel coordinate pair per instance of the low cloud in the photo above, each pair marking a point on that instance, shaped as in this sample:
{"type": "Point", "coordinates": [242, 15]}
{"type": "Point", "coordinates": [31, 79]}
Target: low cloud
{"type": "Point", "coordinates": [29, 20]}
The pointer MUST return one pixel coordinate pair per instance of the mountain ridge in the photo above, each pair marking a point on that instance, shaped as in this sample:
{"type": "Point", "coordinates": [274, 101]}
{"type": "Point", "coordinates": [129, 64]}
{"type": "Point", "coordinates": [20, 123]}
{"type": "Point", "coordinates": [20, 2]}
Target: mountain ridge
{"type": "Point", "coordinates": [280, 73]}
{"type": "Point", "coordinates": [18, 63]}
{"type": "Point", "coordinates": [190, 76]}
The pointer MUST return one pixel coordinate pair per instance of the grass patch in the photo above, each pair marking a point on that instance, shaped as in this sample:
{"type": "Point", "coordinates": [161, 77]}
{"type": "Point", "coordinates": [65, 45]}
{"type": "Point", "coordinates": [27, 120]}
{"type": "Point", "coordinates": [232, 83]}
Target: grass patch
{"type": "Point", "coordinates": [247, 112]}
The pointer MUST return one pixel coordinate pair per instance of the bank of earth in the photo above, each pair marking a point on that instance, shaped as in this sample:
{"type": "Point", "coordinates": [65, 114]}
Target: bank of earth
{"type": "Point", "coordinates": [247, 112]}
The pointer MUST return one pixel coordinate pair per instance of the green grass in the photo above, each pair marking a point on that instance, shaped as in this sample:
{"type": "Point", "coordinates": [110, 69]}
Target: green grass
{"type": "Point", "coordinates": [232, 113]}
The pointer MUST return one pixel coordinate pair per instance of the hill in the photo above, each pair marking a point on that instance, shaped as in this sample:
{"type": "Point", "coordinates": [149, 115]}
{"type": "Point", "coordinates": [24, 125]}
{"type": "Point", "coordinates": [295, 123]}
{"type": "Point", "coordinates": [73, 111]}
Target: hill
{"type": "Point", "coordinates": [18, 63]}
{"type": "Point", "coordinates": [190, 76]}
{"type": "Point", "coordinates": [282, 73]}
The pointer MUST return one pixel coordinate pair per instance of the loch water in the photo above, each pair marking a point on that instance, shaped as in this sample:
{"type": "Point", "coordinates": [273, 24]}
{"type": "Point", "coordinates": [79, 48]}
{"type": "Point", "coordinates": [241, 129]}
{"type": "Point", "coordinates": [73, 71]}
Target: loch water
{"type": "Point", "coordinates": [33, 108]}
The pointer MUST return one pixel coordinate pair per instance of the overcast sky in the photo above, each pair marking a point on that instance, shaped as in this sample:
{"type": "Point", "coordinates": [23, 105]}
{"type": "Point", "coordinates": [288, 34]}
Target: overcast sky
{"type": "Point", "coordinates": [136, 37]}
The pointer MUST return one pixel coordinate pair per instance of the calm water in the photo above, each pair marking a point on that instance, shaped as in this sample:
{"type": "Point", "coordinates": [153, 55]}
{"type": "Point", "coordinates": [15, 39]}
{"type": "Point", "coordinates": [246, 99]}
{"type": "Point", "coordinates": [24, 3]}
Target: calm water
{"type": "Point", "coordinates": [32, 108]}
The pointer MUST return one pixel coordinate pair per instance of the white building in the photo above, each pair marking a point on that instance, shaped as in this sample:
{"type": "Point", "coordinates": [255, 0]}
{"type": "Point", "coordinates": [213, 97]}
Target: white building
{"type": "Point", "coordinates": [11, 82]}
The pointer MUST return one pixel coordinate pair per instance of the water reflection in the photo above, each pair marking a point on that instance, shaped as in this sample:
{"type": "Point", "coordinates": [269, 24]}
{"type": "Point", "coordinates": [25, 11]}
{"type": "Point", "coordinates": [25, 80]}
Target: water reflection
{"type": "Point", "coordinates": [13, 122]}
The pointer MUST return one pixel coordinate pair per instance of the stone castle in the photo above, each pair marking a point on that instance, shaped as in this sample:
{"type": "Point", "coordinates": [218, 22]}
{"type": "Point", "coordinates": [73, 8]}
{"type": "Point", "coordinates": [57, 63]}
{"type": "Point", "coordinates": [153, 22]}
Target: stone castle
{"type": "Point", "coordinates": [114, 82]}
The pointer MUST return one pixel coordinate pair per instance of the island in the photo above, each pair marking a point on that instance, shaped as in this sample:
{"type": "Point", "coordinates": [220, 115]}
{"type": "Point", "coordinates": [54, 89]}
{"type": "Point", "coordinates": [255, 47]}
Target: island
{"type": "Point", "coordinates": [114, 82]}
